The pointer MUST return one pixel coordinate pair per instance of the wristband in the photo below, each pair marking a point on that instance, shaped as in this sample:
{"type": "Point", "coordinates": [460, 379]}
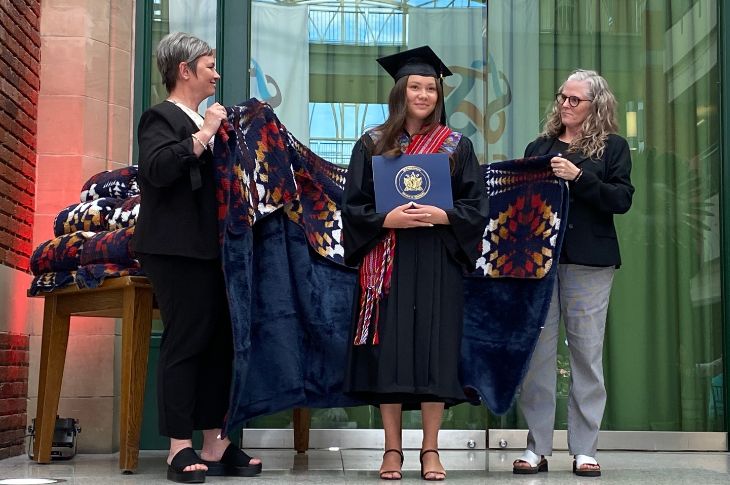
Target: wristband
{"type": "Point", "coordinates": [580, 172]}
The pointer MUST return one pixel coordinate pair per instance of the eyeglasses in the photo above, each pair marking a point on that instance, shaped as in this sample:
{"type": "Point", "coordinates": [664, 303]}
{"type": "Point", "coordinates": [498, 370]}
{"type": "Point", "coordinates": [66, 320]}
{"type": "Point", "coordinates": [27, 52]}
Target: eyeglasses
{"type": "Point", "coordinates": [573, 101]}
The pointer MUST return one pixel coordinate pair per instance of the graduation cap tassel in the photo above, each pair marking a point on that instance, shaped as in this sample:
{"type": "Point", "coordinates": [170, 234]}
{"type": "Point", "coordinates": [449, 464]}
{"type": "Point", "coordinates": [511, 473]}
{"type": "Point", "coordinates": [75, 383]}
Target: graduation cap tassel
{"type": "Point", "coordinates": [443, 101]}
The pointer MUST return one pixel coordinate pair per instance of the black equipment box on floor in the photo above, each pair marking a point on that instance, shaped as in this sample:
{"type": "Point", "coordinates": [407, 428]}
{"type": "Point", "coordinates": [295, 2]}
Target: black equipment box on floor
{"type": "Point", "coordinates": [64, 438]}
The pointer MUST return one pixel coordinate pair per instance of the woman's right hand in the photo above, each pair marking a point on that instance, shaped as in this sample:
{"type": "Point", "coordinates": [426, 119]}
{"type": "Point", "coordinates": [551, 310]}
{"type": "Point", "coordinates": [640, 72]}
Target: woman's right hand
{"type": "Point", "coordinates": [407, 216]}
{"type": "Point", "coordinates": [214, 116]}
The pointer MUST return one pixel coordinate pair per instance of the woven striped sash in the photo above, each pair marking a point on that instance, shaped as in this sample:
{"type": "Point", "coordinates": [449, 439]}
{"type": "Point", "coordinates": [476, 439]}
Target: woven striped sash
{"type": "Point", "coordinates": [377, 265]}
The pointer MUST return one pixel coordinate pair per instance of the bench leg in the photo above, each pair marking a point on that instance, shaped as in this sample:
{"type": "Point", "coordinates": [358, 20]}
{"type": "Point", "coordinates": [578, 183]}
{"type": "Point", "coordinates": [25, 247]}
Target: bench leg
{"type": "Point", "coordinates": [54, 343]}
{"type": "Point", "coordinates": [136, 328]}
{"type": "Point", "coordinates": [301, 429]}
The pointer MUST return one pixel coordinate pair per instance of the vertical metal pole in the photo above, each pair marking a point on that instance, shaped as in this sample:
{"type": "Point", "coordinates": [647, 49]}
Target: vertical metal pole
{"type": "Point", "coordinates": [724, 32]}
{"type": "Point", "coordinates": [233, 50]}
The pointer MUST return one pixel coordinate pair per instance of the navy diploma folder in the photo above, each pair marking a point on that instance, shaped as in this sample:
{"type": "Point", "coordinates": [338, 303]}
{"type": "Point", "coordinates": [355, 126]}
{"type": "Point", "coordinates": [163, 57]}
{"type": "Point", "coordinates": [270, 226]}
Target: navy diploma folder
{"type": "Point", "coordinates": [423, 179]}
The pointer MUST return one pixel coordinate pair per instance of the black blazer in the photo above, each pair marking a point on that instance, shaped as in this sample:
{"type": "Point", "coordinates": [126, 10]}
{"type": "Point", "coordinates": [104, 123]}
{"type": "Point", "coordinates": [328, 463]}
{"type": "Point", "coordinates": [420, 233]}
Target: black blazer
{"type": "Point", "coordinates": [603, 190]}
{"type": "Point", "coordinates": [178, 212]}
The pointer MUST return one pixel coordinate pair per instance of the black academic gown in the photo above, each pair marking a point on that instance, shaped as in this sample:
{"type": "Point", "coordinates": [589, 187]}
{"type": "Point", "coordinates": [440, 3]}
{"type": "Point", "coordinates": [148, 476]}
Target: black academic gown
{"type": "Point", "coordinates": [420, 322]}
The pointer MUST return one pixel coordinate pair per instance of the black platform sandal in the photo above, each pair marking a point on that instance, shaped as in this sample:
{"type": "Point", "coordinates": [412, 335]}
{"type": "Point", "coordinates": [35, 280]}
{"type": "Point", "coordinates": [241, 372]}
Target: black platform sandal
{"type": "Point", "coordinates": [184, 458]}
{"type": "Point", "coordinates": [234, 463]}
{"type": "Point", "coordinates": [399, 472]}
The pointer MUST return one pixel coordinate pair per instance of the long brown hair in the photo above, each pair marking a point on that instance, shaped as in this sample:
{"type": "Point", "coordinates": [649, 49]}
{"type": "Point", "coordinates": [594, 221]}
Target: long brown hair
{"type": "Point", "coordinates": [393, 127]}
{"type": "Point", "coordinates": [601, 119]}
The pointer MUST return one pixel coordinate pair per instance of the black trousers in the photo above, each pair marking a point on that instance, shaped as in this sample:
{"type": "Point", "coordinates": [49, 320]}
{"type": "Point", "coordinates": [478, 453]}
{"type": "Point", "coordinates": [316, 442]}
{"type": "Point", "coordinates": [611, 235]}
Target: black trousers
{"type": "Point", "coordinates": [196, 353]}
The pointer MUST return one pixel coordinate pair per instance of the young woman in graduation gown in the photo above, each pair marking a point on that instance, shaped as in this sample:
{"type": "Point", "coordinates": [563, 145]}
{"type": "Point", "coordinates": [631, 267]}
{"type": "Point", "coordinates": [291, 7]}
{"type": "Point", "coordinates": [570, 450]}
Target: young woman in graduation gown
{"type": "Point", "coordinates": [407, 323]}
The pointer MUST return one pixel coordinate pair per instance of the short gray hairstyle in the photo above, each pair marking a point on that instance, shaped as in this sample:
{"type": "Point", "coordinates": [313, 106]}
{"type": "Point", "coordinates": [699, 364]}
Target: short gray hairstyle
{"type": "Point", "coordinates": [177, 47]}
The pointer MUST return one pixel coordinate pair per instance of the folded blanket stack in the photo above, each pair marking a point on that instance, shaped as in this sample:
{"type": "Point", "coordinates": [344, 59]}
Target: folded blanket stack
{"type": "Point", "coordinates": [92, 238]}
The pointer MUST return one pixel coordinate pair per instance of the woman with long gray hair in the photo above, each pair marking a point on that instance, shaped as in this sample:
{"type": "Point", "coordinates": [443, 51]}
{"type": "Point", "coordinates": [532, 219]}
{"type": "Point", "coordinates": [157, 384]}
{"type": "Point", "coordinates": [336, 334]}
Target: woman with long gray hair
{"type": "Point", "coordinates": [595, 162]}
{"type": "Point", "coordinates": [176, 241]}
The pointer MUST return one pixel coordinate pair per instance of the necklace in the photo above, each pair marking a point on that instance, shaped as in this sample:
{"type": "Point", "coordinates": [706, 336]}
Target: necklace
{"type": "Point", "coordinates": [175, 101]}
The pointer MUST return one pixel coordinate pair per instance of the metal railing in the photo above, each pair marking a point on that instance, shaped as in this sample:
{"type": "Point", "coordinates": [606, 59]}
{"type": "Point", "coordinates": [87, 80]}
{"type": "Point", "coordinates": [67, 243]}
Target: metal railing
{"type": "Point", "coordinates": [333, 150]}
{"type": "Point", "coordinates": [357, 26]}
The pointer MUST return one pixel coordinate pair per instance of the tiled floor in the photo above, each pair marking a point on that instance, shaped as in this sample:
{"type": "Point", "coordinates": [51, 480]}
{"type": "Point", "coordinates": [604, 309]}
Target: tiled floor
{"type": "Point", "coordinates": [354, 467]}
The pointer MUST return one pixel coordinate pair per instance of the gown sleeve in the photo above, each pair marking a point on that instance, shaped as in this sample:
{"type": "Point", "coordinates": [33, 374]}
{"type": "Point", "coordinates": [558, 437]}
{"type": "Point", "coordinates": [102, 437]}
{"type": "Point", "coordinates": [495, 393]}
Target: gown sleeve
{"type": "Point", "coordinates": [468, 218]}
{"type": "Point", "coordinates": [362, 226]}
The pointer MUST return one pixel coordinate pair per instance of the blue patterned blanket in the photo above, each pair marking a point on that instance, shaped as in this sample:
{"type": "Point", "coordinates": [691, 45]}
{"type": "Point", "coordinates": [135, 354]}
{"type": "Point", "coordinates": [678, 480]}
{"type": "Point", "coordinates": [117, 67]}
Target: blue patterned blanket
{"type": "Point", "coordinates": [291, 296]}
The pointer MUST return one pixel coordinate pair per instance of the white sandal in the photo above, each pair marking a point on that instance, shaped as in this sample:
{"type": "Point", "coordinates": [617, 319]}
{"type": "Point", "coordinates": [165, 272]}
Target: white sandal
{"type": "Point", "coordinates": [580, 461]}
{"type": "Point", "coordinates": [537, 464]}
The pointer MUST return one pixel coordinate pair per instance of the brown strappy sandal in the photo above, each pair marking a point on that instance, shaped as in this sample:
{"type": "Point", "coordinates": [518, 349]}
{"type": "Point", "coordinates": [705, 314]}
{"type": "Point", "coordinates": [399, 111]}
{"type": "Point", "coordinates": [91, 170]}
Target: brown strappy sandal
{"type": "Point", "coordinates": [440, 475]}
{"type": "Point", "coordinates": [399, 472]}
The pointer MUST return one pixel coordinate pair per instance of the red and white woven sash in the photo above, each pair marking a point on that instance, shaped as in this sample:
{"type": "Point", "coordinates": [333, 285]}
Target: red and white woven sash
{"type": "Point", "coordinates": [377, 266]}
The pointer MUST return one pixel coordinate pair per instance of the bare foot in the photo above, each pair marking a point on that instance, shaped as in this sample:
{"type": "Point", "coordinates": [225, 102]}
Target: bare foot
{"type": "Point", "coordinates": [175, 448]}
{"type": "Point", "coordinates": [214, 447]}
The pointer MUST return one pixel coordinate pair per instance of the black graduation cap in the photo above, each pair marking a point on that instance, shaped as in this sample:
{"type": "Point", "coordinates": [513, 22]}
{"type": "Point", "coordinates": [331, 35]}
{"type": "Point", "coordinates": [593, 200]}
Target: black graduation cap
{"type": "Point", "coordinates": [421, 61]}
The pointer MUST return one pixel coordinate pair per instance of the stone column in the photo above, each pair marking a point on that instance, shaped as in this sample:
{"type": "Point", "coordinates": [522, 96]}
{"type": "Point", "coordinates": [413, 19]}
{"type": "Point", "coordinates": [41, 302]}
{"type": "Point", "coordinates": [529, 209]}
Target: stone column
{"type": "Point", "coordinates": [84, 127]}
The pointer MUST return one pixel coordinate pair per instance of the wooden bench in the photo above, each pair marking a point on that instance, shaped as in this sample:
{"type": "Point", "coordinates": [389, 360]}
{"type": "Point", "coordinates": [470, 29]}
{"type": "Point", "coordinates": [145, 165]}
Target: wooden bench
{"type": "Point", "coordinates": [131, 299]}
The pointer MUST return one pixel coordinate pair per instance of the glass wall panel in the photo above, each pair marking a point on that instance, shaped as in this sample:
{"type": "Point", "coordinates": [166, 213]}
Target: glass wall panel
{"type": "Point", "coordinates": [314, 61]}
{"type": "Point", "coordinates": [164, 16]}
{"type": "Point", "coordinates": [317, 58]}
{"type": "Point", "coordinates": [663, 352]}
{"type": "Point", "coordinates": [196, 17]}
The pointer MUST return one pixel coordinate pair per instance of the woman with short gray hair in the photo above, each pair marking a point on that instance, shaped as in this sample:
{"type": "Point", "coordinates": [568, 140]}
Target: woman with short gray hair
{"type": "Point", "coordinates": [176, 242]}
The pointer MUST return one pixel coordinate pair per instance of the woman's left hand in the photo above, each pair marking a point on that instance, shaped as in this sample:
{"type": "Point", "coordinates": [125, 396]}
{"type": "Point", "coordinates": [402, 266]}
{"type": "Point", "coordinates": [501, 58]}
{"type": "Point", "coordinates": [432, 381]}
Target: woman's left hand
{"type": "Point", "coordinates": [436, 214]}
{"type": "Point", "coordinates": [564, 168]}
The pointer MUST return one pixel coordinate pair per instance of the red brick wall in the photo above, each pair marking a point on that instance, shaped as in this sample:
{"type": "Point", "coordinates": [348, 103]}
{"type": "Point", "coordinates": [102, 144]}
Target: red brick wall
{"type": "Point", "coordinates": [20, 43]}
{"type": "Point", "coordinates": [13, 393]}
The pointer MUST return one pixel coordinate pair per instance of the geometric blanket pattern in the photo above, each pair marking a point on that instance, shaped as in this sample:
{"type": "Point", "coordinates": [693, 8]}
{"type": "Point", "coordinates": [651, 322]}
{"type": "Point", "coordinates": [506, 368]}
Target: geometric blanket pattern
{"type": "Point", "coordinates": [268, 169]}
{"type": "Point", "coordinates": [522, 231]}
{"type": "Point", "coordinates": [93, 237]}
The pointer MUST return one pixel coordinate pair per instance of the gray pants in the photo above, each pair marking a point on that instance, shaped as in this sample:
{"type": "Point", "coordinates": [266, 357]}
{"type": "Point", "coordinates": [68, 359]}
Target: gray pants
{"type": "Point", "coordinates": [581, 296]}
